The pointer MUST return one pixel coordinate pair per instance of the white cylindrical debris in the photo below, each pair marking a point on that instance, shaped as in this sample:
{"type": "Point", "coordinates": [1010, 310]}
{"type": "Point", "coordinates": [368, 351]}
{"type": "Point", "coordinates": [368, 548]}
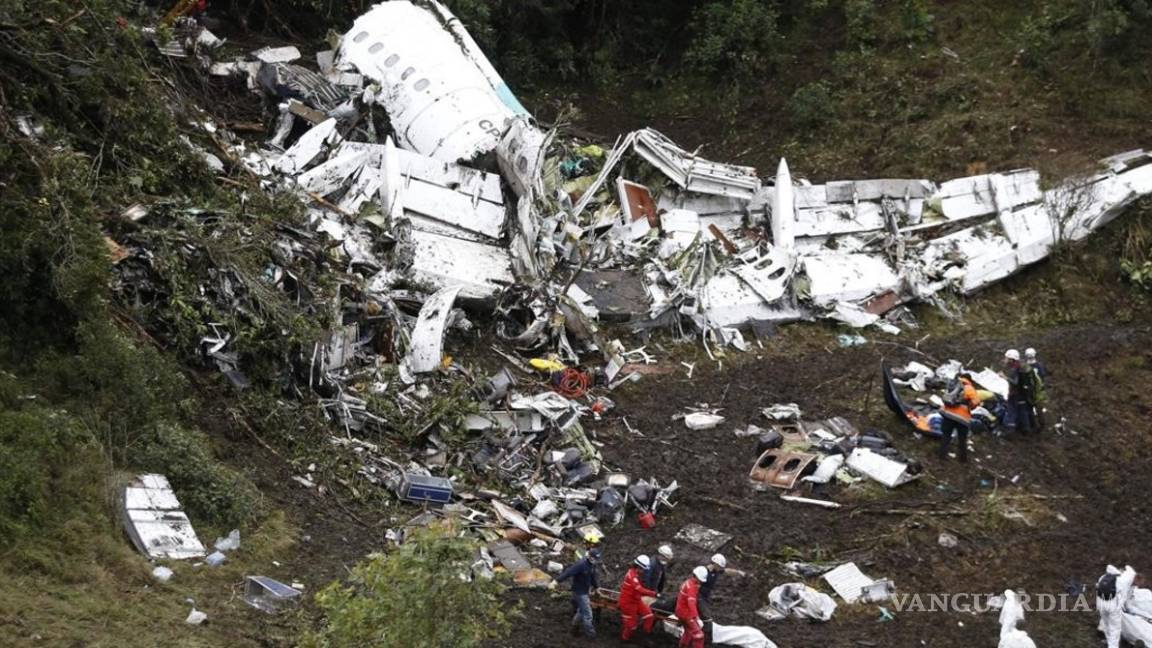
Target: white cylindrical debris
{"type": "Point", "coordinates": [784, 210]}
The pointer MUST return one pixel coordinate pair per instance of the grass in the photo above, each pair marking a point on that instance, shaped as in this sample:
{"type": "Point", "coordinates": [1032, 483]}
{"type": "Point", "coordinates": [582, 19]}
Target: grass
{"type": "Point", "coordinates": [105, 595]}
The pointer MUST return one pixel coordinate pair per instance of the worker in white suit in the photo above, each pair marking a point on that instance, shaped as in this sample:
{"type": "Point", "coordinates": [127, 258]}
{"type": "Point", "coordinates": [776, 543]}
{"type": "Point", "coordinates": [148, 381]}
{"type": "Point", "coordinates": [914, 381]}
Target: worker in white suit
{"type": "Point", "coordinates": [1010, 616]}
{"type": "Point", "coordinates": [1112, 593]}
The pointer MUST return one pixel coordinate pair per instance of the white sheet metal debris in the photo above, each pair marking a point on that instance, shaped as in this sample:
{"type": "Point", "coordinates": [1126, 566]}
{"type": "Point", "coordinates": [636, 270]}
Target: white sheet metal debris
{"type": "Point", "coordinates": [880, 468]}
{"type": "Point", "coordinates": [693, 173]}
{"type": "Point", "coordinates": [156, 522]}
{"type": "Point", "coordinates": [427, 346]}
{"type": "Point", "coordinates": [848, 582]}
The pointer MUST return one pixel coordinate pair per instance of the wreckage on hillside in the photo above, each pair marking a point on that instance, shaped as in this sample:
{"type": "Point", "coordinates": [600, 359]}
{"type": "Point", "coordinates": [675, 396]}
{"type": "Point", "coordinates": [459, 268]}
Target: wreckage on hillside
{"type": "Point", "coordinates": [433, 194]}
{"type": "Point", "coordinates": [478, 196]}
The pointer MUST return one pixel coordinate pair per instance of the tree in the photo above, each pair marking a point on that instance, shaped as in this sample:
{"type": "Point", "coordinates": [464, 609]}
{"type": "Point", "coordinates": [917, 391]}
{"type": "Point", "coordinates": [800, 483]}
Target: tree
{"type": "Point", "coordinates": [421, 595]}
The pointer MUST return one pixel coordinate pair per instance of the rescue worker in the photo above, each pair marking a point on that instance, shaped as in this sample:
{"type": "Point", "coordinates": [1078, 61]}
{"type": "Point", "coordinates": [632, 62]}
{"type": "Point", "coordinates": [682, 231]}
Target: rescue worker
{"type": "Point", "coordinates": [1112, 593]}
{"type": "Point", "coordinates": [633, 610]}
{"type": "Point", "coordinates": [1021, 393]}
{"type": "Point", "coordinates": [583, 575]}
{"type": "Point", "coordinates": [687, 610]}
{"type": "Point", "coordinates": [1034, 362]}
{"type": "Point", "coordinates": [655, 576]}
{"type": "Point", "coordinates": [955, 418]}
{"type": "Point", "coordinates": [1041, 395]}
{"type": "Point", "coordinates": [715, 569]}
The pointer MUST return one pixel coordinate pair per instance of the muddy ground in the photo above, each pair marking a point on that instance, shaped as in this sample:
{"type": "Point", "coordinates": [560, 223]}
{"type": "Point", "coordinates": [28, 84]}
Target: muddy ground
{"type": "Point", "coordinates": [1093, 474]}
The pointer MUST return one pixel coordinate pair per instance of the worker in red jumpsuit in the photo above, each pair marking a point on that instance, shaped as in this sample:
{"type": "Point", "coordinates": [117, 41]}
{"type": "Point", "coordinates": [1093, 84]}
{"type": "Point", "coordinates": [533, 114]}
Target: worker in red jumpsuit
{"type": "Point", "coordinates": [633, 609]}
{"type": "Point", "coordinates": [688, 613]}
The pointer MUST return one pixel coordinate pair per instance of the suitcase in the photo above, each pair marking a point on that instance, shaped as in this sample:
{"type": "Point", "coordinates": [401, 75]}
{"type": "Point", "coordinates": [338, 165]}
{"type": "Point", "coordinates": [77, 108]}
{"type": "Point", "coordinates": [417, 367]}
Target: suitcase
{"type": "Point", "coordinates": [424, 488]}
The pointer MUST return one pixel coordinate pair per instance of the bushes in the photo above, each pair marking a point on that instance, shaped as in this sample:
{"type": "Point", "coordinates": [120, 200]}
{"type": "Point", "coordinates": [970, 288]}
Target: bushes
{"type": "Point", "coordinates": [738, 36]}
{"type": "Point", "coordinates": [1063, 30]}
{"type": "Point", "coordinates": [419, 596]}
{"type": "Point", "coordinates": [51, 471]}
{"type": "Point", "coordinates": [209, 491]}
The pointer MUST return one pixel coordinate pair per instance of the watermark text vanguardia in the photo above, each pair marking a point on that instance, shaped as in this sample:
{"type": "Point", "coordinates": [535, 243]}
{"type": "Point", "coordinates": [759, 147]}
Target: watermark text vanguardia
{"type": "Point", "coordinates": [975, 603]}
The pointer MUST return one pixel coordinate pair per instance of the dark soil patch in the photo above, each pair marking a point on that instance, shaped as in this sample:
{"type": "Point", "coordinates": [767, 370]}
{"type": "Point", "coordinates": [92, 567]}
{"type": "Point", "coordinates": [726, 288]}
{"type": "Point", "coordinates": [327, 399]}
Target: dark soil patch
{"type": "Point", "coordinates": [1099, 378]}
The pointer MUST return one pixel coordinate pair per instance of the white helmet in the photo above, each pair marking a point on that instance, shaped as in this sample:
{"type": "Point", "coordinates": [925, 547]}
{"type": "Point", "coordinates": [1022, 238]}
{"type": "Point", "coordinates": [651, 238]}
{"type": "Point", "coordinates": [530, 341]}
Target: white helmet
{"type": "Point", "coordinates": [720, 561]}
{"type": "Point", "coordinates": [701, 573]}
{"type": "Point", "coordinates": [1012, 354]}
{"type": "Point", "coordinates": [642, 562]}
{"type": "Point", "coordinates": [936, 401]}
{"type": "Point", "coordinates": [1029, 353]}
{"type": "Point", "coordinates": [665, 551]}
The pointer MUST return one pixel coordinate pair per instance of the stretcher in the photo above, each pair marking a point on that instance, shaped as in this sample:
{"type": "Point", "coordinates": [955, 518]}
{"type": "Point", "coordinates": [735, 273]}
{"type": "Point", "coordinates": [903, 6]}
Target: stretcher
{"type": "Point", "coordinates": [606, 599]}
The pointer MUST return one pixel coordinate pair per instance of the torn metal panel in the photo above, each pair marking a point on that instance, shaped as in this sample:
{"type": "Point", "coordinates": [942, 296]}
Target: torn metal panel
{"type": "Point", "coordinates": [852, 191]}
{"type": "Point", "coordinates": [439, 91]}
{"type": "Point", "coordinates": [726, 300]}
{"type": "Point", "coordinates": [984, 257]}
{"type": "Point", "coordinates": [1107, 195]}
{"type": "Point", "coordinates": [839, 219]}
{"type": "Point", "coordinates": [880, 468]}
{"type": "Point", "coordinates": [636, 203]}
{"type": "Point", "coordinates": [479, 269]}
{"type": "Point", "coordinates": [847, 277]}
{"type": "Point", "coordinates": [768, 275]}
{"type": "Point", "coordinates": [780, 469]}
{"type": "Point", "coordinates": [308, 148]}
{"type": "Point", "coordinates": [985, 195]}
{"type": "Point", "coordinates": [421, 187]}
{"type": "Point", "coordinates": [155, 521]}
{"type": "Point", "coordinates": [329, 177]}
{"type": "Point", "coordinates": [521, 157]}
{"type": "Point", "coordinates": [693, 173]}
{"type": "Point", "coordinates": [706, 205]}
{"type": "Point", "coordinates": [426, 349]}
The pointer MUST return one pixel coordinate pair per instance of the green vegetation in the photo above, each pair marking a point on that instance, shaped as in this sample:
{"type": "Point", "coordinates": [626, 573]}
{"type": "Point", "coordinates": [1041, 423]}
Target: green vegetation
{"type": "Point", "coordinates": [420, 595]}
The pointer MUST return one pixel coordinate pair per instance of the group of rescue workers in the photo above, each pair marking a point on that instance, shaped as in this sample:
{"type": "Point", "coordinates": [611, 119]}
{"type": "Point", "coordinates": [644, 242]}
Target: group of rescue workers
{"type": "Point", "coordinates": [962, 408]}
{"type": "Point", "coordinates": [641, 590]}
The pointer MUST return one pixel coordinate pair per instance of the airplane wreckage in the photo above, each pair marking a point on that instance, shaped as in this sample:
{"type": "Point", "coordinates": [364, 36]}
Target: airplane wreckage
{"type": "Point", "coordinates": [479, 199]}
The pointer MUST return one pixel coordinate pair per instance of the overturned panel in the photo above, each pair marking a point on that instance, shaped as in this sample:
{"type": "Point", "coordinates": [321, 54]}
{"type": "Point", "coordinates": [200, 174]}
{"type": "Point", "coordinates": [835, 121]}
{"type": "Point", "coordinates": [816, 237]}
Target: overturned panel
{"type": "Point", "coordinates": [780, 469]}
{"type": "Point", "coordinates": [768, 275]}
{"type": "Point", "coordinates": [443, 97]}
{"type": "Point", "coordinates": [155, 521]}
